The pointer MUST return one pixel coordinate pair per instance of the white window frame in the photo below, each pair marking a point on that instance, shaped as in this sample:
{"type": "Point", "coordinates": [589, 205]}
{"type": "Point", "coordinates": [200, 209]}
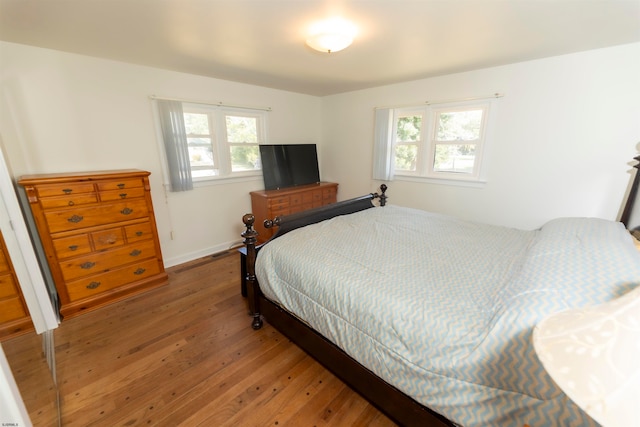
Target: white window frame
{"type": "Point", "coordinates": [221, 147]}
{"type": "Point", "coordinates": [426, 150]}
{"type": "Point", "coordinates": [420, 143]}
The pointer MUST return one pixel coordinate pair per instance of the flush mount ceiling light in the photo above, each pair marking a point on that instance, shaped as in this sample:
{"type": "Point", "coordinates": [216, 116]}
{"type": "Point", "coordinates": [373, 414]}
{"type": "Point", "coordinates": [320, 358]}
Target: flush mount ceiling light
{"type": "Point", "coordinates": [331, 35]}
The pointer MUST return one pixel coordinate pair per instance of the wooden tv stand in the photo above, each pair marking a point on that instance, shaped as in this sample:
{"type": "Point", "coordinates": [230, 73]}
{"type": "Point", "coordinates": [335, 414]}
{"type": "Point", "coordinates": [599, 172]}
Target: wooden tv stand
{"type": "Point", "coordinates": [268, 204]}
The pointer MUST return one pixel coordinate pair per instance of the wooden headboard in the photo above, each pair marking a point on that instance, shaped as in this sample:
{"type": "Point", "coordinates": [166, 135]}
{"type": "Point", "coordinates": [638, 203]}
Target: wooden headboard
{"type": "Point", "coordinates": [631, 213]}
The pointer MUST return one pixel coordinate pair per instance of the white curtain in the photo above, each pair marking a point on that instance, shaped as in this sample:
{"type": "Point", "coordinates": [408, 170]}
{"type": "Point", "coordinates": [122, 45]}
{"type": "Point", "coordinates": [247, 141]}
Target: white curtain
{"type": "Point", "coordinates": [383, 156]}
{"type": "Point", "coordinates": [174, 136]}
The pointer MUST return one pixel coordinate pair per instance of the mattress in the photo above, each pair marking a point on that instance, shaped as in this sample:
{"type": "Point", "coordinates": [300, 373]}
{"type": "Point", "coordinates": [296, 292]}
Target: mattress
{"type": "Point", "coordinates": [443, 309]}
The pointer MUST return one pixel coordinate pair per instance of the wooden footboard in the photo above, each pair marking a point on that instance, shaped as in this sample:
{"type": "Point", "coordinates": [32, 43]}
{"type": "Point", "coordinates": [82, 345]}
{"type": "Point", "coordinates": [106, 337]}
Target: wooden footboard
{"type": "Point", "coordinates": [401, 408]}
{"type": "Point", "coordinates": [286, 224]}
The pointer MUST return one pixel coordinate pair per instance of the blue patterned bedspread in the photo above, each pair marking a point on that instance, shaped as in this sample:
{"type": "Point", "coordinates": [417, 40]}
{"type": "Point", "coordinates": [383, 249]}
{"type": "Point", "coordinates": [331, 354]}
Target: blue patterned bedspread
{"type": "Point", "coordinates": [444, 309]}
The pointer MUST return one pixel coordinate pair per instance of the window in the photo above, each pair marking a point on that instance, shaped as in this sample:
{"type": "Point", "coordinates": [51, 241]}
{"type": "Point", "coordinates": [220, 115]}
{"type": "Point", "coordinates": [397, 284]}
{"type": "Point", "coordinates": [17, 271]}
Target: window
{"type": "Point", "coordinates": [208, 142]}
{"type": "Point", "coordinates": [444, 141]}
{"type": "Point", "coordinates": [409, 138]}
{"type": "Point", "coordinates": [456, 138]}
{"type": "Point", "coordinates": [223, 142]}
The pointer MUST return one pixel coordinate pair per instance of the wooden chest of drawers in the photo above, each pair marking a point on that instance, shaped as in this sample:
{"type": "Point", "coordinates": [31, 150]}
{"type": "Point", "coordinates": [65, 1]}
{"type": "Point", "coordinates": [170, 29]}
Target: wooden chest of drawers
{"type": "Point", "coordinates": [267, 204]}
{"type": "Point", "coordinates": [14, 315]}
{"type": "Point", "coordinates": [99, 234]}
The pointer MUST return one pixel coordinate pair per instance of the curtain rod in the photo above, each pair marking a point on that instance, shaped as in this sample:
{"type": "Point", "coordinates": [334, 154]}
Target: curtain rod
{"type": "Point", "coordinates": [446, 101]}
{"type": "Point", "coordinates": [218, 104]}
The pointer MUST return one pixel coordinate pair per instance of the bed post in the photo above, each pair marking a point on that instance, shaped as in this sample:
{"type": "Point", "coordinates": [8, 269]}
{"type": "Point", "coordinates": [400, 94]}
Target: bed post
{"type": "Point", "coordinates": [631, 200]}
{"type": "Point", "coordinates": [383, 196]}
{"type": "Point", "coordinates": [250, 238]}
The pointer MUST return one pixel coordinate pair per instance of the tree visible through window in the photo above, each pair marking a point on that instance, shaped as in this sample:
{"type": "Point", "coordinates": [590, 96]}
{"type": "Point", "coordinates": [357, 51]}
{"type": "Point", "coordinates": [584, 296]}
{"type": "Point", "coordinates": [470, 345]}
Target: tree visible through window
{"type": "Point", "coordinates": [242, 137]}
{"type": "Point", "coordinates": [200, 142]}
{"type": "Point", "coordinates": [439, 142]}
{"type": "Point", "coordinates": [456, 138]}
{"type": "Point", "coordinates": [408, 139]}
{"type": "Point", "coordinates": [223, 142]}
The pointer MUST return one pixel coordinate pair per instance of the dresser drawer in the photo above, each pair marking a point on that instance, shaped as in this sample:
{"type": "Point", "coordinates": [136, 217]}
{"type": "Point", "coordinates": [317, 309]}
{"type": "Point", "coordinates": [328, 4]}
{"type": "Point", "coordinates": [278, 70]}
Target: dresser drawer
{"type": "Point", "coordinates": [127, 193]}
{"type": "Point", "coordinates": [4, 264]}
{"type": "Point", "coordinates": [307, 198]}
{"type": "Point", "coordinates": [64, 189]}
{"type": "Point", "coordinates": [83, 288]}
{"type": "Point", "coordinates": [102, 261]}
{"type": "Point", "coordinates": [279, 202]}
{"type": "Point", "coordinates": [72, 246]}
{"type": "Point", "coordinates": [8, 286]}
{"type": "Point", "coordinates": [120, 184]}
{"type": "Point", "coordinates": [11, 309]}
{"type": "Point", "coordinates": [107, 239]}
{"type": "Point", "coordinates": [68, 201]}
{"type": "Point", "coordinates": [74, 219]}
{"type": "Point", "coordinates": [280, 211]}
{"type": "Point", "coordinates": [329, 195]}
{"type": "Point", "coordinates": [141, 231]}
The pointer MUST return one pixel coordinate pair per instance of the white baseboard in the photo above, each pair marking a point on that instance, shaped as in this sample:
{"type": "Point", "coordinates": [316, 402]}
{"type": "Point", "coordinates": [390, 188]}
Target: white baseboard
{"type": "Point", "coordinates": [172, 262]}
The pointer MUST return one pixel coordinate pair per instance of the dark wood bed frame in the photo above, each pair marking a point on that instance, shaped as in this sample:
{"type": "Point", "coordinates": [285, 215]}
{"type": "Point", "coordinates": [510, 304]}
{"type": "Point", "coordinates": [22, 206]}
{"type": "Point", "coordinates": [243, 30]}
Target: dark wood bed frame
{"type": "Point", "coordinates": [401, 408]}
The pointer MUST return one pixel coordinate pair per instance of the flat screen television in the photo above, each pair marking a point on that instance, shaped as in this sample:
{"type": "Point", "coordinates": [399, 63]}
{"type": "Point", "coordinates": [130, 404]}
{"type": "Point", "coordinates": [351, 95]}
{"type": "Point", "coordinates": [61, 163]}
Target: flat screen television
{"type": "Point", "coordinates": [289, 165]}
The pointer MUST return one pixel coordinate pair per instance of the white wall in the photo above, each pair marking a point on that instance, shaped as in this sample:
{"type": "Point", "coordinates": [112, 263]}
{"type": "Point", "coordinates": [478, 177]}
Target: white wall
{"type": "Point", "coordinates": [566, 133]}
{"type": "Point", "coordinates": [61, 112]}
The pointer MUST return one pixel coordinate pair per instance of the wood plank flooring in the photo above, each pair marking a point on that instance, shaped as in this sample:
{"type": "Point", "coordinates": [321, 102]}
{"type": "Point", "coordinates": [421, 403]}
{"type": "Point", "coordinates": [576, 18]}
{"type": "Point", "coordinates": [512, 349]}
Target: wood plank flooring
{"type": "Point", "coordinates": [185, 354]}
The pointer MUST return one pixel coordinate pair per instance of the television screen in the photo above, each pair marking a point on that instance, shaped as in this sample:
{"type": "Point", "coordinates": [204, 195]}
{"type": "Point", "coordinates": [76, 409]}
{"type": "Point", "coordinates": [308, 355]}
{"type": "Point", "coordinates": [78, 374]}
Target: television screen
{"type": "Point", "coordinates": [288, 165]}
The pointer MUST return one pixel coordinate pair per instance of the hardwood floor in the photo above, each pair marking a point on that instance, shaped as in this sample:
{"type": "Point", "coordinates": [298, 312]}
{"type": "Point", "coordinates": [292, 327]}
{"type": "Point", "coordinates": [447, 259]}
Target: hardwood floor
{"type": "Point", "coordinates": [185, 354]}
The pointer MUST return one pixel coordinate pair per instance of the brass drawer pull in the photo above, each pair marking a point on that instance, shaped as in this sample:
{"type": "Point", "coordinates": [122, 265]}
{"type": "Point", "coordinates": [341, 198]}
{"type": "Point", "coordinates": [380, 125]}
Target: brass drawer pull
{"type": "Point", "coordinates": [87, 265]}
{"type": "Point", "coordinates": [139, 271]}
{"type": "Point", "coordinates": [135, 252]}
{"type": "Point", "coordinates": [67, 190]}
{"type": "Point", "coordinates": [123, 195]}
{"type": "Point", "coordinates": [93, 285]}
{"type": "Point", "coordinates": [120, 186]}
{"type": "Point", "coordinates": [75, 219]}
{"type": "Point", "coordinates": [126, 211]}
{"type": "Point", "coordinates": [71, 203]}
{"type": "Point", "coordinates": [73, 247]}
{"type": "Point", "coordinates": [139, 233]}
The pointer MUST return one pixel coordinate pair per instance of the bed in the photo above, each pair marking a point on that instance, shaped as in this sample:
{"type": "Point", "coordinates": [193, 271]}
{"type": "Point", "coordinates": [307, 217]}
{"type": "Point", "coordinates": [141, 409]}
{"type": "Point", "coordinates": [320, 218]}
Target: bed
{"type": "Point", "coordinates": [430, 317]}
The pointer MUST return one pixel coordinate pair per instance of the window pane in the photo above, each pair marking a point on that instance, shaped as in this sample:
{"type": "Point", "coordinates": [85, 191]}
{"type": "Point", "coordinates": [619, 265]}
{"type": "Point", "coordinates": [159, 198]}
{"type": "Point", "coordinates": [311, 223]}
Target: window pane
{"type": "Point", "coordinates": [196, 123]}
{"type": "Point", "coordinates": [242, 129]}
{"type": "Point", "coordinates": [406, 156]}
{"type": "Point", "coordinates": [408, 128]}
{"type": "Point", "coordinates": [454, 158]}
{"type": "Point", "coordinates": [245, 158]}
{"type": "Point", "coordinates": [459, 125]}
{"type": "Point", "coordinates": [201, 156]}
{"type": "Point", "coordinates": [199, 142]}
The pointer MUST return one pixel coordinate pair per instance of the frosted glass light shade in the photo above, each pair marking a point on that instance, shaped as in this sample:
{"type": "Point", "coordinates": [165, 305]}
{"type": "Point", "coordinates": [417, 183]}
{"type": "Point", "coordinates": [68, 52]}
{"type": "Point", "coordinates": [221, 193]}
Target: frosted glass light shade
{"type": "Point", "coordinates": [593, 354]}
{"type": "Point", "coordinates": [331, 35]}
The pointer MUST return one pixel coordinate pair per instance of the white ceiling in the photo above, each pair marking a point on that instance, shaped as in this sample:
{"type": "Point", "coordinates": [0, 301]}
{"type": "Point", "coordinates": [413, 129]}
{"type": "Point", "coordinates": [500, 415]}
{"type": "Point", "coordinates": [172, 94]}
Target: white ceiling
{"type": "Point", "coordinates": [261, 42]}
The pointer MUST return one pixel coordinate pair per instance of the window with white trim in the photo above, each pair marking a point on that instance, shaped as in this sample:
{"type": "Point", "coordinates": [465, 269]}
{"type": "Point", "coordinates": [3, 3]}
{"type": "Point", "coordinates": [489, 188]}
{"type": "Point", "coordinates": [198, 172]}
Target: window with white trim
{"type": "Point", "coordinates": [444, 141]}
{"type": "Point", "coordinates": [223, 142]}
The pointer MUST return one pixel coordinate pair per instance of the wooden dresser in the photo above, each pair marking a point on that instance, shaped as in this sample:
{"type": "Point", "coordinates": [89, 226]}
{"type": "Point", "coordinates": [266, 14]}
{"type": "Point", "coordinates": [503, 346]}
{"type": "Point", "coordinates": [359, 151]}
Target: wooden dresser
{"type": "Point", "coordinates": [267, 204]}
{"type": "Point", "coordinates": [99, 235]}
{"type": "Point", "coordinates": [14, 315]}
